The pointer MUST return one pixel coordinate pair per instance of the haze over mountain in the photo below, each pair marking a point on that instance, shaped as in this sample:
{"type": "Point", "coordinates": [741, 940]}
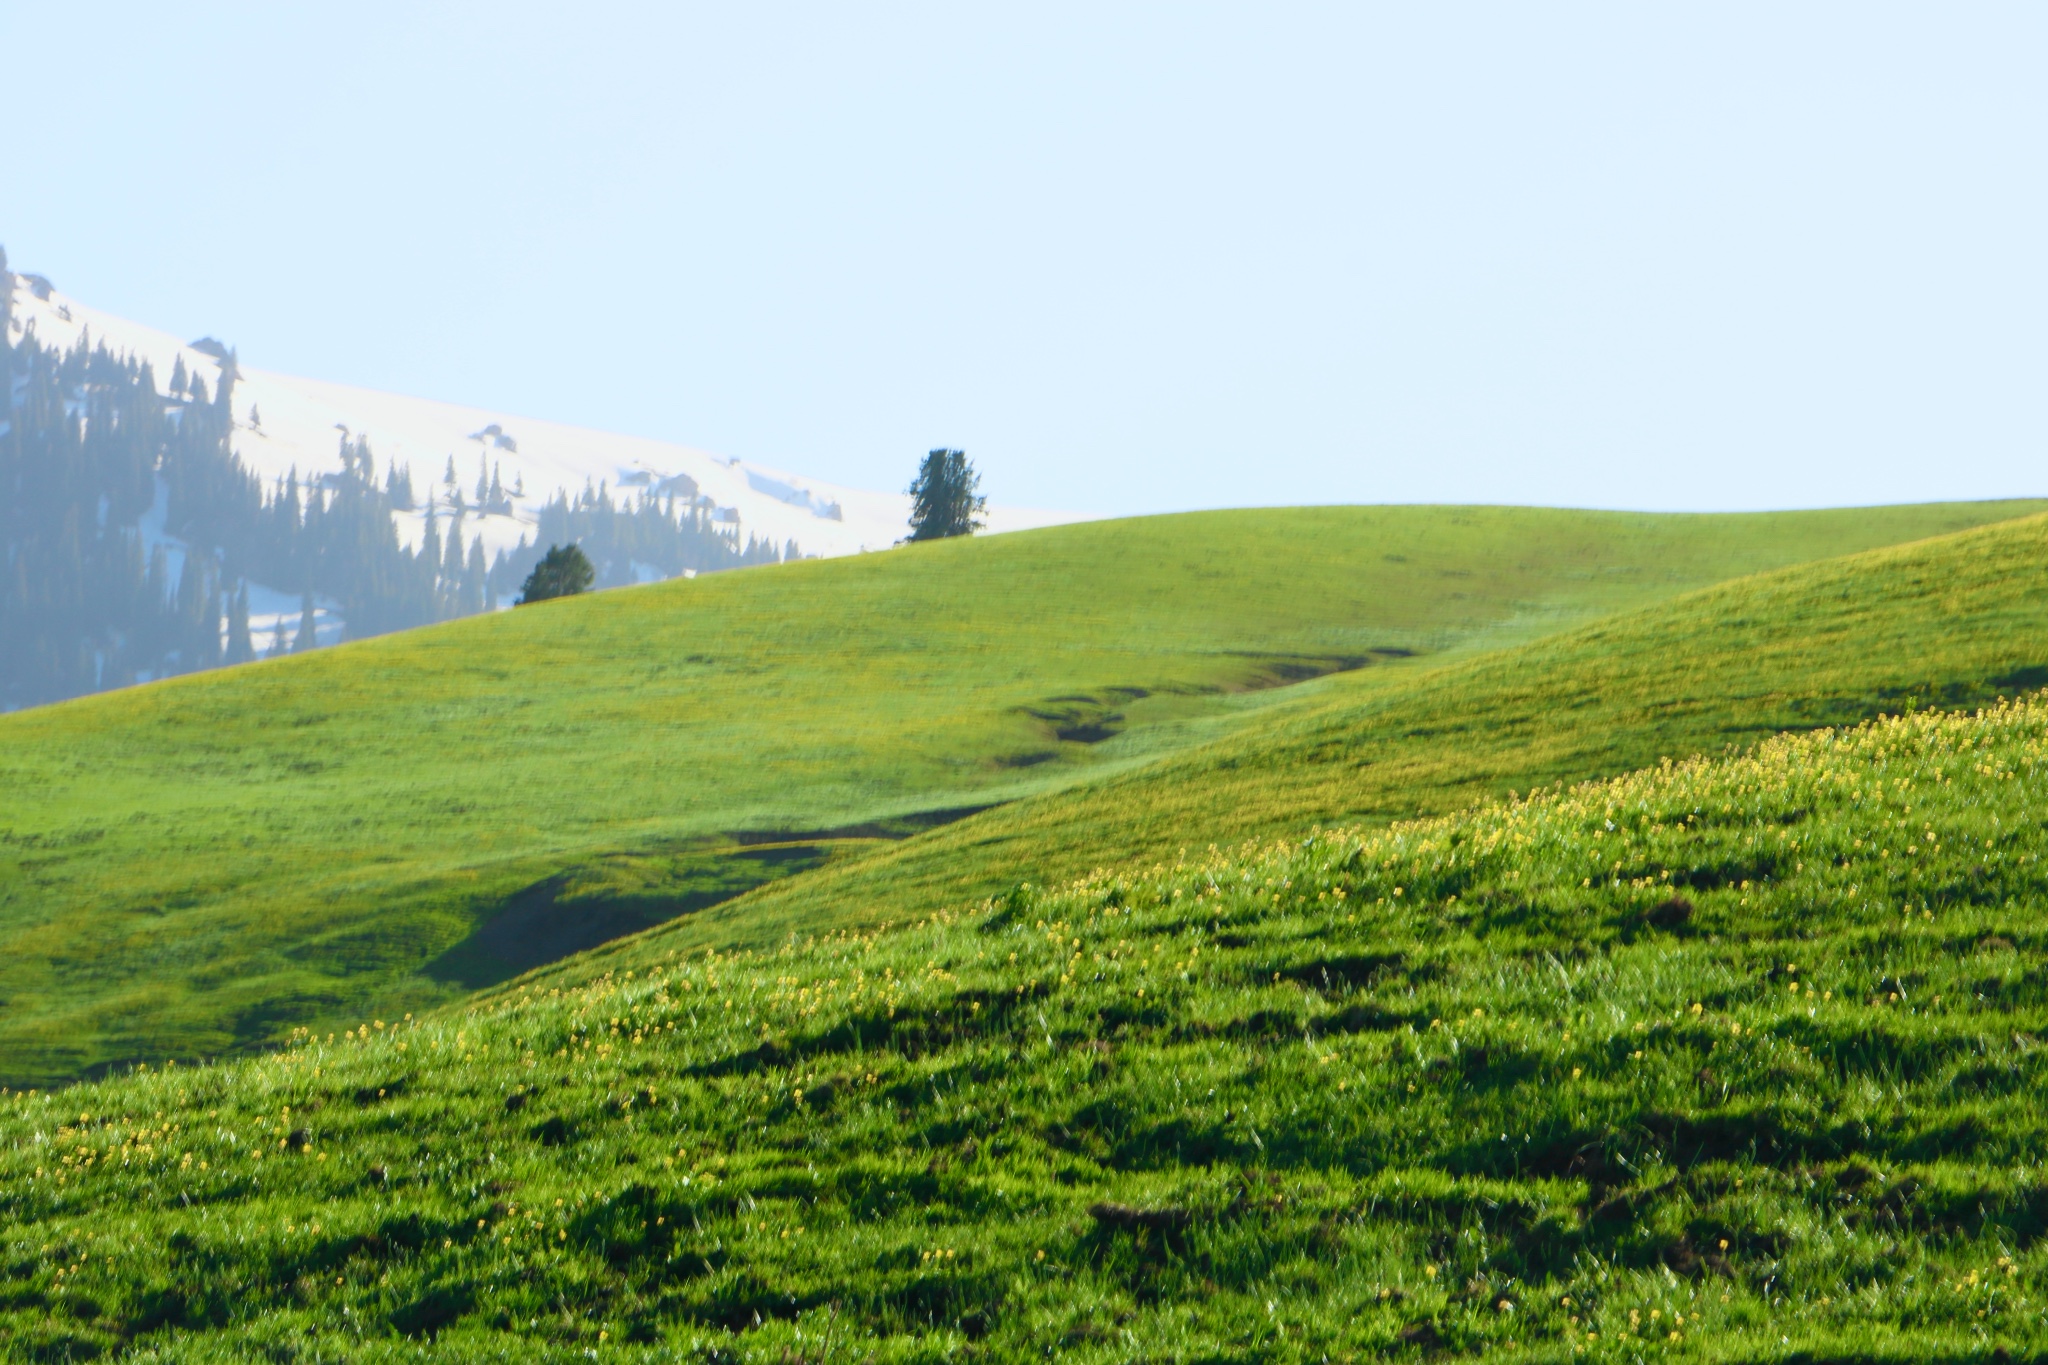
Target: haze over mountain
{"type": "Point", "coordinates": [479, 483]}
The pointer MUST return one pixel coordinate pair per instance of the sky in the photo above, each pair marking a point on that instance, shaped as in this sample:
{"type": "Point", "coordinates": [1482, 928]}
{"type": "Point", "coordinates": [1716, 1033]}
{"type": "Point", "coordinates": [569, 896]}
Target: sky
{"type": "Point", "coordinates": [1131, 258]}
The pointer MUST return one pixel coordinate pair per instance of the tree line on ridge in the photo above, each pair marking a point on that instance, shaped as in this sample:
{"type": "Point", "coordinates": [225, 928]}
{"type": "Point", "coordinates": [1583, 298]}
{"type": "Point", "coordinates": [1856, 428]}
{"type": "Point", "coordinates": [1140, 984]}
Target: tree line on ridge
{"type": "Point", "coordinates": [131, 535]}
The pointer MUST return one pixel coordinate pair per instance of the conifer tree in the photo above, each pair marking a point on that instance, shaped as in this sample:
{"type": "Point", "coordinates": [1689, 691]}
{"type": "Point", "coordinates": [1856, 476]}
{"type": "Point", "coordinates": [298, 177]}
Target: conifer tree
{"type": "Point", "coordinates": [476, 577]}
{"type": "Point", "coordinates": [158, 585]}
{"type": "Point", "coordinates": [190, 607]}
{"type": "Point", "coordinates": [451, 561]}
{"type": "Point", "coordinates": [430, 540]}
{"type": "Point", "coordinates": [308, 637]}
{"type": "Point", "coordinates": [563, 572]}
{"type": "Point", "coordinates": [943, 497]}
{"type": "Point", "coordinates": [209, 642]}
{"type": "Point", "coordinates": [240, 648]}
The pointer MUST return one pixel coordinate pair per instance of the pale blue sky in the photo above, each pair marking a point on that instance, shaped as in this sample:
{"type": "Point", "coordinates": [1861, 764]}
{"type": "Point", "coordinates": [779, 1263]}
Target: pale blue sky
{"type": "Point", "coordinates": [1132, 258]}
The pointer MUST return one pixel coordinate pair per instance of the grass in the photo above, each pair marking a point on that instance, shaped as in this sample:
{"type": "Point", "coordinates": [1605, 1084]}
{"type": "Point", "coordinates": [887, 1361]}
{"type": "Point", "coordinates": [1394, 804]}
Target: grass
{"type": "Point", "coordinates": [1960, 620]}
{"type": "Point", "coordinates": [1733, 1059]}
{"type": "Point", "coordinates": [203, 865]}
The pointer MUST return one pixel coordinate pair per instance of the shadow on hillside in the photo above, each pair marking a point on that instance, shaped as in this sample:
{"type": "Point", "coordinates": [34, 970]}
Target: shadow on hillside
{"type": "Point", "coordinates": [617, 894]}
{"type": "Point", "coordinates": [1847, 709]}
{"type": "Point", "coordinates": [1086, 718]}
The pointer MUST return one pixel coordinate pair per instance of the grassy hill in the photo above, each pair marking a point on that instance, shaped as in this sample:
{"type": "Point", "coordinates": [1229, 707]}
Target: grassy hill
{"type": "Point", "coordinates": [1961, 620]}
{"type": "Point", "coordinates": [210, 862]}
{"type": "Point", "coordinates": [1721, 1060]}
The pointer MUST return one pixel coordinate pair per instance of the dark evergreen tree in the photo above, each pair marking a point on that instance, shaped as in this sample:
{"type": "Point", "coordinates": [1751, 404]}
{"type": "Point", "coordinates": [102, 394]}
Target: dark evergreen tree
{"type": "Point", "coordinates": [398, 488]}
{"type": "Point", "coordinates": [476, 578]}
{"type": "Point", "coordinates": [309, 635]}
{"type": "Point", "coordinates": [451, 568]}
{"type": "Point", "coordinates": [241, 649]}
{"type": "Point", "coordinates": [943, 497]}
{"type": "Point", "coordinates": [627, 543]}
{"type": "Point", "coordinates": [562, 572]}
{"type": "Point", "coordinates": [430, 539]}
{"type": "Point", "coordinates": [198, 608]}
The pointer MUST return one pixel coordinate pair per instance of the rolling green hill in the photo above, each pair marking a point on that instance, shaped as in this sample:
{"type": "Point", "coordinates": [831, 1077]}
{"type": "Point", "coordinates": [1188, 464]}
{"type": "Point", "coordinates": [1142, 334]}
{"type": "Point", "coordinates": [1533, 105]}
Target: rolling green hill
{"type": "Point", "coordinates": [206, 863]}
{"type": "Point", "coordinates": [1733, 1060]}
{"type": "Point", "coordinates": [1960, 620]}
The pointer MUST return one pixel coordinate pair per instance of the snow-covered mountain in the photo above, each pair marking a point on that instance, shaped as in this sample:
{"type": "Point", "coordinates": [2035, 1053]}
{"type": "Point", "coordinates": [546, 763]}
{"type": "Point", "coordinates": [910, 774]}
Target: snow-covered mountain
{"type": "Point", "coordinates": [284, 423]}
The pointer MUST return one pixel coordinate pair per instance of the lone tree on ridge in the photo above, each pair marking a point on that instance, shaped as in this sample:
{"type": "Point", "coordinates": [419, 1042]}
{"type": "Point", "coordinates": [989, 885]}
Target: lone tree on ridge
{"type": "Point", "coordinates": [563, 572]}
{"type": "Point", "coordinates": [942, 497]}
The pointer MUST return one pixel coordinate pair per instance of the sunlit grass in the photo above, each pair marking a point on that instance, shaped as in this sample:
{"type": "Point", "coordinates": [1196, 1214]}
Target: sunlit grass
{"type": "Point", "coordinates": [1957, 621]}
{"type": "Point", "coordinates": [1733, 1059]}
{"type": "Point", "coordinates": [202, 865]}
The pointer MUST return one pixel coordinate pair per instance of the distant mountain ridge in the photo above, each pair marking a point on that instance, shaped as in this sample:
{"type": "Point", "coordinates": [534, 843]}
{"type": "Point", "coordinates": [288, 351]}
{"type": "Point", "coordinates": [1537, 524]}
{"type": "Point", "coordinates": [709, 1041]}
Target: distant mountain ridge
{"type": "Point", "coordinates": [472, 497]}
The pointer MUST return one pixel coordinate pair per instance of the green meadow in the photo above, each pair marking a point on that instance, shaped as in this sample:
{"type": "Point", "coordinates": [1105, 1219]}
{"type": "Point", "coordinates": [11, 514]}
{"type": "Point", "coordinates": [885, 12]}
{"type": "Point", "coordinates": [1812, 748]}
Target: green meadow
{"type": "Point", "coordinates": [1733, 1059]}
{"type": "Point", "coordinates": [1961, 620]}
{"type": "Point", "coordinates": [207, 864]}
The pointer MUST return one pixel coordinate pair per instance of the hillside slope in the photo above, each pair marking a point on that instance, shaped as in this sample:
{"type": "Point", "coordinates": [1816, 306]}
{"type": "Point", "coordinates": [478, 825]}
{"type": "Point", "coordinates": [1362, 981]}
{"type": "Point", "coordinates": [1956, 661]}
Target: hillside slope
{"type": "Point", "coordinates": [206, 863]}
{"type": "Point", "coordinates": [1732, 1060]}
{"type": "Point", "coordinates": [1958, 620]}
